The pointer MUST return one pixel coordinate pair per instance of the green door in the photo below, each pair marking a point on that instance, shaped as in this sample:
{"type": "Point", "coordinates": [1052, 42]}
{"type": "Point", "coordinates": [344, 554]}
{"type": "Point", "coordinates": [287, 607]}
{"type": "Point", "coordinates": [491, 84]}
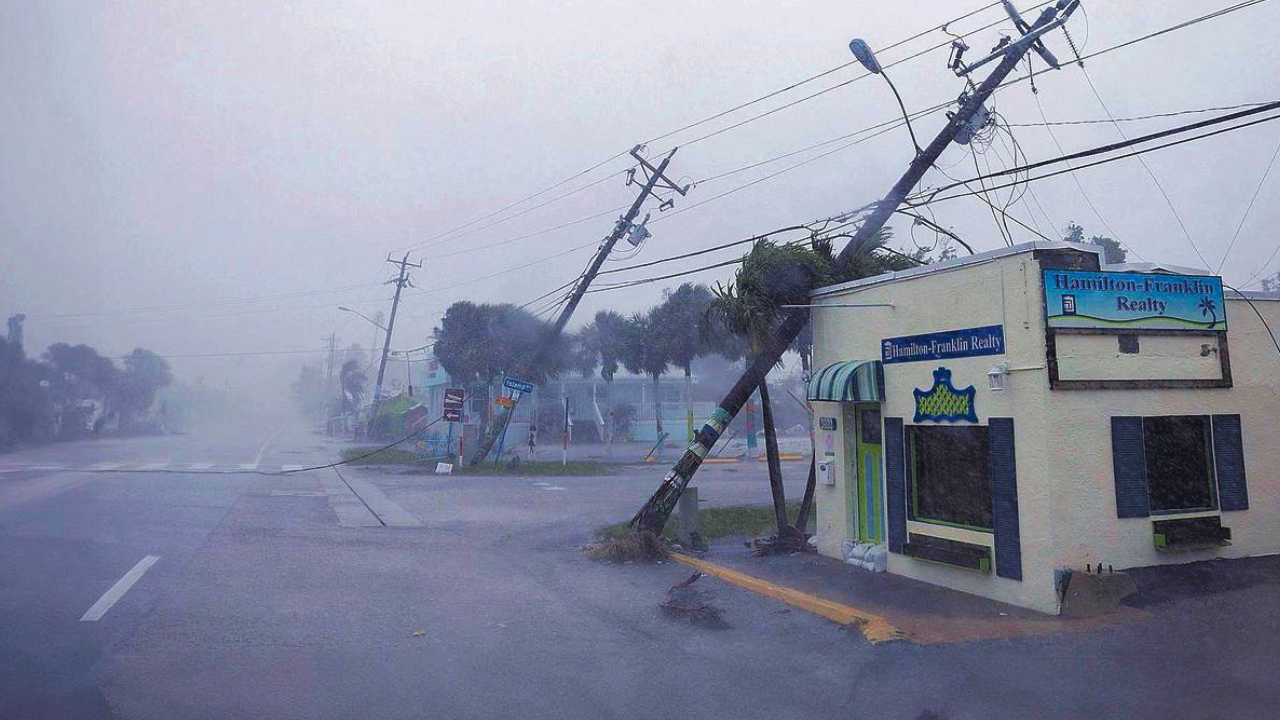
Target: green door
{"type": "Point", "coordinates": [869, 454]}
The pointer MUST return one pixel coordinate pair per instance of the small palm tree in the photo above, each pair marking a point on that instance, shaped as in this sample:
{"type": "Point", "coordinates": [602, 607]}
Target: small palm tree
{"type": "Point", "coordinates": [1209, 309]}
{"type": "Point", "coordinates": [352, 381]}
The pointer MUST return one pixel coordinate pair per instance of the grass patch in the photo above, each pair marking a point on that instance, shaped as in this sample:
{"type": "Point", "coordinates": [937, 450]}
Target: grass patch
{"type": "Point", "coordinates": [720, 522]}
{"type": "Point", "coordinates": [409, 459]}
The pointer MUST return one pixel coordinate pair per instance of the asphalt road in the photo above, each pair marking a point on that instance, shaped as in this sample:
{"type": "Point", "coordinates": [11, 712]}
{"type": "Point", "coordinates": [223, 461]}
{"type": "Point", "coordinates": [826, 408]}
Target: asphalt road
{"type": "Point", "coordinates": [302, 596]}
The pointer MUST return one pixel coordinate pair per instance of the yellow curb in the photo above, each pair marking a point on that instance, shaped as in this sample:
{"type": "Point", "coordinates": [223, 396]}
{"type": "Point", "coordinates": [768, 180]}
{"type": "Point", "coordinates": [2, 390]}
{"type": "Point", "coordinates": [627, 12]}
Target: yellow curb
{"type": "Point", "coordinates": [721, 460]}
{"type": "Point", "coordinates": [784, 457]}
{"type": "Point", "coordinates": [875, 628]}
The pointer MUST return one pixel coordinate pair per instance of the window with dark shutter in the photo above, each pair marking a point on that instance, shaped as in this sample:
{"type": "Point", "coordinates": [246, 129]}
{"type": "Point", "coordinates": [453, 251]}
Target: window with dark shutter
{"type": "Point", "coordinates": [895, 475]}
{"type": "Point", "coordinates": [1129, 461]}
{"type": "Point", "coordinates": [1004, 499]}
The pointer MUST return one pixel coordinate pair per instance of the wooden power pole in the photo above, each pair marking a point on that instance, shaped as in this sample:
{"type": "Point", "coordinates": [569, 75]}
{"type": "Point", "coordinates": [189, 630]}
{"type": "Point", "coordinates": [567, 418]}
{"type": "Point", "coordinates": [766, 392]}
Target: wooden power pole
{"type": "Point", "coordinates": [654, 178]}
{"type": "Point", "coordinates": [400, 281]}
{"type": "Point", "coordinates": [655, 512]}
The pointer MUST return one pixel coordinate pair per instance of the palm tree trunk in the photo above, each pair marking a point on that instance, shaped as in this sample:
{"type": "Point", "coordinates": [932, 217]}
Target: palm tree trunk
{"type": "Point", "coordinates": [657, 416]}
{"type": "Point", "coordinates": [775, 465]}
{"type": "Point", "coordinates": [806, 505]}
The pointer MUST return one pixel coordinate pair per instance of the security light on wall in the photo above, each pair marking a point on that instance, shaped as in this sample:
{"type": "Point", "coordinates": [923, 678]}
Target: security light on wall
{"type": "Point", "coordinates": [996, 375]}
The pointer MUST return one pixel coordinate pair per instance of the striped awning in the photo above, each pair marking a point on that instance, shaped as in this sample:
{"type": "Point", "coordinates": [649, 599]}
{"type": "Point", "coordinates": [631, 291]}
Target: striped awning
{"type": "Point", "coordinates": [849, 381]}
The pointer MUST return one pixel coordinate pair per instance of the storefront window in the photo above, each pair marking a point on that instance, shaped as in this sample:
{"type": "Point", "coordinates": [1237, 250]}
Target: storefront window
{"type": "Point", "coordinates": [950, 475]}
{"type": "Point", "coordinates": [1179, 456]}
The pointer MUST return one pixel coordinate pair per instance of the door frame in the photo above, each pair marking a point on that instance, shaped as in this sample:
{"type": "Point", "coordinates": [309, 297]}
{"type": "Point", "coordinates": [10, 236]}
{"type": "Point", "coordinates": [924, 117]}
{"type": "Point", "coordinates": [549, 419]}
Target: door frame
{"type": "Point", "coordinates": [868, 472]}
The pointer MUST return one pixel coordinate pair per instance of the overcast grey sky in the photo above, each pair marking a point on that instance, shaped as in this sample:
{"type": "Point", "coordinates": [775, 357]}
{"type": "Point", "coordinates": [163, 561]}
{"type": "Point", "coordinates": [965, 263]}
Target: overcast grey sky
{"type": "Point", "coordinates": [171, 153]}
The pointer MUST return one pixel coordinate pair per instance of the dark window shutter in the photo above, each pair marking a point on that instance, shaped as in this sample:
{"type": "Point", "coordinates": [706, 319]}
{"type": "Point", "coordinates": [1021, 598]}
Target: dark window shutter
{"type": "Point", "coordinates": [1004, 500]}
{"type": "Point", "coordinates": [895, 476]}
{"type": "Point", "coordinates": [1130, 462]}
{"type": "Point", "coordinates": [1228, 453]}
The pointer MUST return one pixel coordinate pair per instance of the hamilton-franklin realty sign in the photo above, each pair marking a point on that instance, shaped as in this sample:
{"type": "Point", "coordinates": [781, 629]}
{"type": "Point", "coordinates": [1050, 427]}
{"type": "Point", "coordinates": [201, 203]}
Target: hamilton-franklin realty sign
{"type": "Point", "coordinates": [969, 342]}
{"type": "Point", "coordinates": [1133, 300]}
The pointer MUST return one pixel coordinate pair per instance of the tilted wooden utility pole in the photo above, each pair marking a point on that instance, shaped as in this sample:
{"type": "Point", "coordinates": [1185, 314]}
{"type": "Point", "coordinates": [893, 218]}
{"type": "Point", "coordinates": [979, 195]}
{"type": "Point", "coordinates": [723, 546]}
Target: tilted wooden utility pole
{"type": "Point", "coordinates": [655, 512]}
{"type": "Point", "coordinates": [400, 281]}
{"type": "Point", "coordinates": [655, 178]}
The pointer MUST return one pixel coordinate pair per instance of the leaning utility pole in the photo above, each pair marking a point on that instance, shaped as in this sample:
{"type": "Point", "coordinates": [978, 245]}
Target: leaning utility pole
{"type": "Point", "coordinates": [655, 512]}
{"type": "Point", "coordinates": [328, 371]}
{"type": "Point", "coordinates": [654, 178]}
{"type": "Point", "coordinates": [400, 282]}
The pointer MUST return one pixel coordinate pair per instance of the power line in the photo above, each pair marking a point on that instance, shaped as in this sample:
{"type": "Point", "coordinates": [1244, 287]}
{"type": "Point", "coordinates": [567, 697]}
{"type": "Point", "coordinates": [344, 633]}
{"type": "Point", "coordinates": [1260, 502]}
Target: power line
{"type": "Point", "coordinates": [1151, 173]}
{"type": "Point", "coordinates": [1262, 181]}
{"type": "Point", "coordinates": [721, 114]}
{"type": "Point", "coordinates": [432, 242]}
{"type": "Point", "coordinates": [1111, 147]}
{"type": "Point", "coordinates": [209, 303]}
{"type": "Point", "coordinates": [1137, 118]}
{"type": "Point", "coordinates": [1079, 185]}
{"type": "Point", "coordinates": [1098, 53]}
{"type": "Point", "coordinates": [1126, 156]}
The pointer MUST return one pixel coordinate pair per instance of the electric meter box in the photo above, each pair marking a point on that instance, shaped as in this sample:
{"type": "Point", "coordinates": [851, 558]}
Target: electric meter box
{"type": "Point", "coordinates": [827, 472]}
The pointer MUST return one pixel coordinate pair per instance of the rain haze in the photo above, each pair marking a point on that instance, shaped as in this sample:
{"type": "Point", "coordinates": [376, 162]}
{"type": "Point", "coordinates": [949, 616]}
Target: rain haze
{"type": "Point", "coordinates": [212, 155]}
{"type": "Point", "coordinates": [1019, 436]}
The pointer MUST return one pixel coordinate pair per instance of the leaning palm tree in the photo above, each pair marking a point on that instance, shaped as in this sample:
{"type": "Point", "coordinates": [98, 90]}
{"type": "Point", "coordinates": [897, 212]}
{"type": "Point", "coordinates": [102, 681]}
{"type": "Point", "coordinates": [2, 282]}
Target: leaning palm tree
{"type": "Point", "coordinates": [749, 307]}
{"type": "Point", "coordinates": [351, 380]}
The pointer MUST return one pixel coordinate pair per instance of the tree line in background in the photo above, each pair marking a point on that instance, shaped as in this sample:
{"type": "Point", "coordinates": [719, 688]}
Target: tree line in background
{"type": "Point", "coordinates": [71, 391]}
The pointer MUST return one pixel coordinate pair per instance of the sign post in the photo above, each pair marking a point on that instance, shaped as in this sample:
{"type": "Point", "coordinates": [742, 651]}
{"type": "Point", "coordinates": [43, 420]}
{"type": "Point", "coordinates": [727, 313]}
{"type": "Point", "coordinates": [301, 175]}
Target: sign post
{"type": "Point", "coordinates": [454, 398]}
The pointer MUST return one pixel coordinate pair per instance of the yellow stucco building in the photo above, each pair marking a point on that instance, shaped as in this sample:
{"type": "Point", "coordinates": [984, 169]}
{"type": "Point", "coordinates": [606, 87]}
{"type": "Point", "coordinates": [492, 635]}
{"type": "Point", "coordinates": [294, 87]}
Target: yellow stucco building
{"type": "Point", "coordinates": [985, 422]}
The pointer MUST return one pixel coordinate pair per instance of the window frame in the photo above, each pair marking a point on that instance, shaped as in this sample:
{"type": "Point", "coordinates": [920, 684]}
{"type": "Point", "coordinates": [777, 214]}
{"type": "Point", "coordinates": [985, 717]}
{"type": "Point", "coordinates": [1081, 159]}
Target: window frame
{"type": "Point", "coordinates": [913, 513]}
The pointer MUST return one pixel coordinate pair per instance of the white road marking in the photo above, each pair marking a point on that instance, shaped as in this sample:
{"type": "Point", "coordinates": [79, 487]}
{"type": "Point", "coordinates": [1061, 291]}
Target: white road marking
{"type": "Point", "coordinates": [107, 466]}
{"type": "Point", "coordinates": [291, 468]}
{"type": "Point", "coordinates": [554, 487]}
{"type": "Point", "coordinates": [248, 466]}
{"type": "Point", "coordinates": [542, 484]}
{"type": "Point", "coordinates": [262, 450]}
{"type": "Point", "coordinates": [117, 591]}
{"type": "Point", "coordinates": [46, 467]}
{"type": "Point", "coordinates": [153, 466]}
{"type": "Point", "coordinates": [201, 466]}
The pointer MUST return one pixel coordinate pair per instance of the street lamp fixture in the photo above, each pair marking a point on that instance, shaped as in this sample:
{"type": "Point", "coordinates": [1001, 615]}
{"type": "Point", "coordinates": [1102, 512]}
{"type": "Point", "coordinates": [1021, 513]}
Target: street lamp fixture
{"type": "Point", "coordinates": [862, 51]}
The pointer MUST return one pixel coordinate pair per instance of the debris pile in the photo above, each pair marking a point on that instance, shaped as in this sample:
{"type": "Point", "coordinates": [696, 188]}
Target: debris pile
{"type": "Point", "coordinates": [686, 603]}
{"type": "Point", "coordinates": [628, 547]}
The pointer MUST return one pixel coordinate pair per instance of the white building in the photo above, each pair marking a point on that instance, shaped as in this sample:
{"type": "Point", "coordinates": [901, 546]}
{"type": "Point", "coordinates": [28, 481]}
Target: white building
{"type": "Point", "coordinates": [995, 418]}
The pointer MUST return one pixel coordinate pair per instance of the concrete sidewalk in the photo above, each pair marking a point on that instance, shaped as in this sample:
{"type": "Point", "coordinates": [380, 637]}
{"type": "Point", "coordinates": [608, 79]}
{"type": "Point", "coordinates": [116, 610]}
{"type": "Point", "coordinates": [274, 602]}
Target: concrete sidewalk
{"type": "Point", "coordinates": [922, 613]}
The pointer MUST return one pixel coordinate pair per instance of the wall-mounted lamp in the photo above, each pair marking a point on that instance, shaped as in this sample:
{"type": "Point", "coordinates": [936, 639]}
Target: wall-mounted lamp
{"type": "Point", "coordinates": [996, 375]}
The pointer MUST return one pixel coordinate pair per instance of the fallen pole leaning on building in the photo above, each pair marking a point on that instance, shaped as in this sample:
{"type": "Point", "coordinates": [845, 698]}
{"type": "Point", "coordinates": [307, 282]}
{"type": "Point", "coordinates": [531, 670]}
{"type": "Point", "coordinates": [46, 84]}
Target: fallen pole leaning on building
{"type": "Point", "coordinates": [657, 510]}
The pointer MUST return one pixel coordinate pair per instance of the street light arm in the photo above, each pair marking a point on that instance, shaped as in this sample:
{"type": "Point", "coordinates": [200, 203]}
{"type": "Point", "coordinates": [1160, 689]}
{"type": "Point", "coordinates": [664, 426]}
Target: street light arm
{"type": "Point", "coordinates": [353, 312]}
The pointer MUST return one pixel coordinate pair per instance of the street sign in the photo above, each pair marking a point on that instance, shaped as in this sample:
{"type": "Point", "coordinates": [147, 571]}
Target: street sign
{"type": "Point", "coordinates": [505, 402]}
{"type": "Point", "coordinates": [514, 384]}
{"type": "Point", "coordinates": [453, 399]}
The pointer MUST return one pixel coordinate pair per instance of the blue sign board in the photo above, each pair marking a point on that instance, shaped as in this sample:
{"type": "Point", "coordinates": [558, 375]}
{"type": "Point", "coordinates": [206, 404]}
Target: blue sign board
{"type": "Point", "coordinates": [518, 385]}
{"type": "Point", "coordinates": [1077, 299]}
{"type": "Point", "coordinates": [968, 342]}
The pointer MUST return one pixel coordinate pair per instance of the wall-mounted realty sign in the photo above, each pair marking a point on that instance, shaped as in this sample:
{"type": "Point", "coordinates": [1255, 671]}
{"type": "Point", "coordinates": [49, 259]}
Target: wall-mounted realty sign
{"type": "Point", "coordinates": [1077, 299]}
{"type": "Point", "coordinates": [967, 342]}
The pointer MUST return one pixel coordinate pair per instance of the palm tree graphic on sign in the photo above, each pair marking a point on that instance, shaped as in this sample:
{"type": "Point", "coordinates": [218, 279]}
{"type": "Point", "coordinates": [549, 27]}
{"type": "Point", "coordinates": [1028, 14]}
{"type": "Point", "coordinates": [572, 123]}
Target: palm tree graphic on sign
{"type": "Point", "coordinates": [1209, 309]}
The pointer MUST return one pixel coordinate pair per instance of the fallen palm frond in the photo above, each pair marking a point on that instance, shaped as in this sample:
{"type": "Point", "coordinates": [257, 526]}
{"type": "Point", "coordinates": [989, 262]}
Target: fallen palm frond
{"type": "Point", "coordinates": [628, 547]}
{"type": "Point", "coordinates": [684, 602]}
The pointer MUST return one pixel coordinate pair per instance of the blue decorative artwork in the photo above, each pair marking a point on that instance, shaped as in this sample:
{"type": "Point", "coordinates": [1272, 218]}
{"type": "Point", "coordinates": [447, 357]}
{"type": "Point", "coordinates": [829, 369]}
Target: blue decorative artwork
{"type": "Point", "coordinates": [944, 402]}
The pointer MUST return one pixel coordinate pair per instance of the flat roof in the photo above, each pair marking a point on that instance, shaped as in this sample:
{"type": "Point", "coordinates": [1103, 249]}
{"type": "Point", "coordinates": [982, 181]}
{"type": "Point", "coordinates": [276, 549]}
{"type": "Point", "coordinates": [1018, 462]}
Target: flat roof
{"type": "Point", "coordinates": [956, 263]}
{"type": "Point", "coordinates": [983, 258]}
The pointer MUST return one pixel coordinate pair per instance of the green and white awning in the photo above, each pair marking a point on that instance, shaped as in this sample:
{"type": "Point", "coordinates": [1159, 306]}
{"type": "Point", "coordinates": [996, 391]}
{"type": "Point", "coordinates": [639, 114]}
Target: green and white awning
{"type": "Point", "coordinates": [850, 381]}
